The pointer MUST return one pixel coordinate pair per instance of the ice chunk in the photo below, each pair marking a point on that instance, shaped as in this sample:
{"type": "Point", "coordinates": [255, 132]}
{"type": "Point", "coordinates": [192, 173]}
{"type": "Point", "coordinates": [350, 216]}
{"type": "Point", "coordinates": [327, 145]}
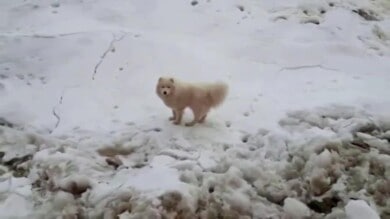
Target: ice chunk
{"type": "Point", "coordinates": [295, 209]}
{"type": "Point", "coordinates": [359, 209]}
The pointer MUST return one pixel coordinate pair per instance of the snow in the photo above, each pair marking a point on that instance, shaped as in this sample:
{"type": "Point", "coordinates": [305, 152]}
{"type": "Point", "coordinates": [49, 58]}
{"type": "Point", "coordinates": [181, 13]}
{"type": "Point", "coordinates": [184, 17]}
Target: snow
{"type": "Point", "coordinates": [305, 126]}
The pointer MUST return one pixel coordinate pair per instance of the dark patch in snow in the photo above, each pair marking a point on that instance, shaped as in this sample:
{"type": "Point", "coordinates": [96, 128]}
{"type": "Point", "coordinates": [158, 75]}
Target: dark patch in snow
{"type": "Point", "coordinates": [240, 7]}
{"type": "Point", "coordinates": [324, 206]}
{"type": "Point", "coordinates": [113, 151]}
{"type": "Point", "coordinates": [171, 200]}
{"type": "Point", "coordinates": [15, 165]}
{"type": "Point", "coordinates": [311, 21]}
{"type": "Point", "coordinates": [157, 129]}
{"type": "Point", "coordinates": [245, 138]}
{"type": "Point", "coordinates": [4, 122]}
{"type": "Point", "coordinates": [308, 66]}
{"type": "Point", "coordinates": [368, 15]}
{"type": "Point", "coordinates": [281, 17]}
{"type": "Point", "coordinates": [18, 160]}
{"type": "Point", "coordinates": [20, 76]}
{"type": "Point", "coordinates": [139, 165]}
{"type": "Point", "coordinates": [193, 3]}
{"type": "Point", "coordinates": [55, 4]}
{"type": "Point", "coordinates": [360, 144]}
{"type": "Point", "coordinates": [114, 161]}
{"type": "Point", "coordinates": [75, 186]}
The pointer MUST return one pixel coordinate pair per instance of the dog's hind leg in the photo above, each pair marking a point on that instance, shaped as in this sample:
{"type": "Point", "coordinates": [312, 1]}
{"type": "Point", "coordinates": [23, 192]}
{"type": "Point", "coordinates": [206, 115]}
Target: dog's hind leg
{"type": "Point", "coordinates": [173, 117]}
{"type": "Point", "coordinates": [199, 115]}
{"type": "Point", "coordinates": [203, 118]}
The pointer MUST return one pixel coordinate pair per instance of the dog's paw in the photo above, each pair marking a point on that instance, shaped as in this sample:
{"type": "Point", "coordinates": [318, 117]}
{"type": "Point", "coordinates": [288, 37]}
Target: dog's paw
{"type": "Point", "coordinates": [189, 124]}
{"type": "Point", "coordinates": [176, 123]}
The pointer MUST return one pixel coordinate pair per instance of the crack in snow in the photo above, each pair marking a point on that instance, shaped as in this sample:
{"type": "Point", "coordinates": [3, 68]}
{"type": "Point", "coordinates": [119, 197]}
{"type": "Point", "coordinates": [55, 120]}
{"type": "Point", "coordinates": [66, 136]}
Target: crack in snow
{"type": "Point", "coordinates": [307, 66]}
{"type": "Point", "coordinates": [55, 35]}
{"type": "Point", "coordinates": [60, 101]}
{"type": "Point", "coordinates": [44, 36]}
{"type": "Point", "coordinates": [103, 56]}
{"type": "Point", "coordinates": [58, 119]}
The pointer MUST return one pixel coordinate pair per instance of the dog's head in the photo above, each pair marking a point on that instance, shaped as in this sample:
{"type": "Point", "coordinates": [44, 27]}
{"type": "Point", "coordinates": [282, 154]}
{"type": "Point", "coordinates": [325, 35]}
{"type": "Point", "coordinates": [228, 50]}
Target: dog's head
{"type": "Point", "coordinates": [165, 87]}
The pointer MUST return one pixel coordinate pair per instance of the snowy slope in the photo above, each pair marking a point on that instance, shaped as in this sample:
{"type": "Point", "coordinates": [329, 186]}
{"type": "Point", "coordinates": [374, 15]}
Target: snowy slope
{"type": "Point", "coordinates": [307, 78]}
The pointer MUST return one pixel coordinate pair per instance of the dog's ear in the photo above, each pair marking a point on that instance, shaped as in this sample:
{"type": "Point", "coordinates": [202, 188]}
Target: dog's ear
{"type": "Point", "coordinates": [171, 79]}
{"type": "Point", "coordinates": [160, 79]}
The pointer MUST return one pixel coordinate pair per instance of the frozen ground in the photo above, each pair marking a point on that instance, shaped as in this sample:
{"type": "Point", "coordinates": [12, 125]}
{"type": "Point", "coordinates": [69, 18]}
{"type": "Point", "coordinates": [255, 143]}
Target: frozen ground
{"type": "Point", "coordinates": [305, 129]}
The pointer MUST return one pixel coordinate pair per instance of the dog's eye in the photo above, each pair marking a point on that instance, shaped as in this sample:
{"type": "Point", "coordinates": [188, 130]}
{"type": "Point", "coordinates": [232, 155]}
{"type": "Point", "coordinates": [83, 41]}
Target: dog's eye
{"type": "Point", "coordinates": [162, 87]}
{"type": "Point", "coordinates": [168, 87]}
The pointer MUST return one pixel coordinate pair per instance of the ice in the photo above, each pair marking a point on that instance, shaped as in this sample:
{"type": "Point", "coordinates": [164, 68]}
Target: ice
{"type": "Point", "coordinates": [359, 209]}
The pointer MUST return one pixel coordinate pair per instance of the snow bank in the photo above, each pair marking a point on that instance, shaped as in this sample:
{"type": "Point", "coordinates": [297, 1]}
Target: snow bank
{"type": "Point", "coordinates": [309, 179]}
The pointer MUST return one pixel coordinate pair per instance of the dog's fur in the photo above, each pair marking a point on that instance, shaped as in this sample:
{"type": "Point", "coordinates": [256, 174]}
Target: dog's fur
{"type": "Point", "coordinates": [199, 97]}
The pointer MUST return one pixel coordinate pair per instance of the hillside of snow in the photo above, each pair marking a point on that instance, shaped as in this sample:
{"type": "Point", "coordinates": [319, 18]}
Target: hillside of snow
{"type": "Point", "coordinates": [303, 133]}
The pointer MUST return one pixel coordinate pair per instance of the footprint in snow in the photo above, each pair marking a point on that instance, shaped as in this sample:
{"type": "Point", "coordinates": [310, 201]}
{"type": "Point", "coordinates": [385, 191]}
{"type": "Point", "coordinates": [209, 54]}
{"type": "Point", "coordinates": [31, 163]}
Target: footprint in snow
{"type": "Point", "coordinates": [55, 5]}
{"type": "Point", "coordinates": [228, 124]}
{"type": "Point", "coordinates": [240, 7]}
{"type": "Point", "coordinates": [245, 138]}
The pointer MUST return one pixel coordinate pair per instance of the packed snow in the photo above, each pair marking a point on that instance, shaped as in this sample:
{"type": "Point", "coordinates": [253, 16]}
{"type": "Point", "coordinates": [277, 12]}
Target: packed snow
{"type": "Point", "coordinates": [303, 133]}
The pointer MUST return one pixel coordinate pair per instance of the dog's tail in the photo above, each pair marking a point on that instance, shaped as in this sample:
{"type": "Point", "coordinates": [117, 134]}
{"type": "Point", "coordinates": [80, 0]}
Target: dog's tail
{"type": "Point", "coordinates": [217, 93]}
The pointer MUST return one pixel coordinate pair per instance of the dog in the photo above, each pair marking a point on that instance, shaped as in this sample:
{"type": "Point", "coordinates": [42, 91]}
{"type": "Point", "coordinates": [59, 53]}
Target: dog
{"type": "Point", "coordinates": [199, 97]}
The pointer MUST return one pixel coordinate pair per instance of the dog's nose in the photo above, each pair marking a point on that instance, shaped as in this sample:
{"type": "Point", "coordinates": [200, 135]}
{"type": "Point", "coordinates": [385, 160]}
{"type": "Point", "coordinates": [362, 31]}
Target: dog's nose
{"type": "Point", "coordinates": [165, 93]}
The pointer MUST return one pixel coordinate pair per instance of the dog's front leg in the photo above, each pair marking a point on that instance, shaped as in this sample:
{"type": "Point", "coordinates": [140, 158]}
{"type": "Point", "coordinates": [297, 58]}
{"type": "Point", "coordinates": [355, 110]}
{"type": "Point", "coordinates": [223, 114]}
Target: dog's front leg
{"type": "Point", "coordinates": [179, 115]}
{"type": "Point", "coordinates": [173, 117]}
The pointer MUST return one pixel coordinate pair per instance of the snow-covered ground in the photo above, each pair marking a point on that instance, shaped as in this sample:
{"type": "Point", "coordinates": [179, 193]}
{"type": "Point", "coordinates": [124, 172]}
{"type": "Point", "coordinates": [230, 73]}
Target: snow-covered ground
{"type": "Point", "coordinates": [304, 131]}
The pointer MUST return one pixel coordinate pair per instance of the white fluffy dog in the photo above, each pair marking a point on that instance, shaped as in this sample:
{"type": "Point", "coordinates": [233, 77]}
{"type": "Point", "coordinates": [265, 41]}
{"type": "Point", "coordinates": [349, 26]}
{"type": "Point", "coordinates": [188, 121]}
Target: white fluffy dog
{"type": "Point", "coordinates": [199, 97]}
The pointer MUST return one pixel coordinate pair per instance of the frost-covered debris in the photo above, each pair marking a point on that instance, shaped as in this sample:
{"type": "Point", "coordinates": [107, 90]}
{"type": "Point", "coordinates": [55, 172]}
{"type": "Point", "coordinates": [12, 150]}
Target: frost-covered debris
{"type": "Point", "coordinates": [255, 179]}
